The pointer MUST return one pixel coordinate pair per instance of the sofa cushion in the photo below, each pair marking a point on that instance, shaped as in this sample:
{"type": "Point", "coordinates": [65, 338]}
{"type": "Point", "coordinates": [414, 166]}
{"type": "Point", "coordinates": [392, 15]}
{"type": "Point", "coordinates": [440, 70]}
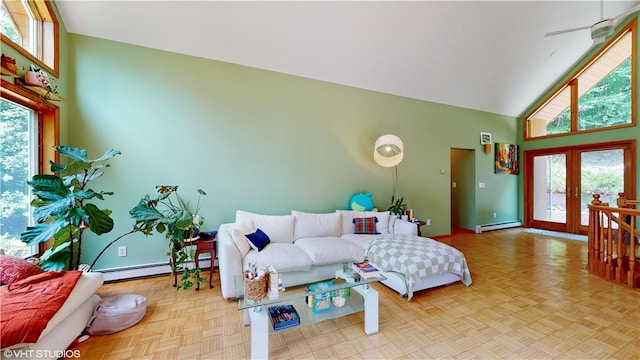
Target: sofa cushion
{"type": "Point", "coordinates": [14, 269]}
{"type": "Point", "coordinates": [382, 226]}
{"type": "Point", "coordinates": [278, 227]}
{"type": "Point", "coordinates": [315, 225]}
{"type": "Point", "coordinates": [360, 240]}
{"type": "Point", "coordinates": [284, 257]}
{"type": "Point", "coordinates": [329, 250]}
{"type": "Point", "coordinates": [239, 236]}
{"type": "Point", "coordinates": [258, 240]}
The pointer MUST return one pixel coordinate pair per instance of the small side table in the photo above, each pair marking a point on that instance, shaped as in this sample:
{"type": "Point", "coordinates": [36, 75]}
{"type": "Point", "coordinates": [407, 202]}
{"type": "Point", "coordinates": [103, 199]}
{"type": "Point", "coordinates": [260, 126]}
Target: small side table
{"type": "Point", "coordinates": [419, 224]}
{"type": "Point", "coordinates": [203, 246]}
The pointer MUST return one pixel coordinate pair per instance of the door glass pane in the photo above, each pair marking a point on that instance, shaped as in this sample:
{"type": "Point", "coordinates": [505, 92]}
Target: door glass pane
{"type": "Point", "coordinates": [549, 188]}
{"type": "Point", "coordinates": [601, 172]}
{"type": "Point", "coordinates": [17, 161]}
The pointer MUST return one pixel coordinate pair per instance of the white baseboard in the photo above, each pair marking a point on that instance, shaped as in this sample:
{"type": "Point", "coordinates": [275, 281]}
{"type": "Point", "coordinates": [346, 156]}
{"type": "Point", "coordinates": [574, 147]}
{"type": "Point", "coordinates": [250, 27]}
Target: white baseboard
{"type": "Point", "coordinates": [140, 271]}
{"type": "Point", "coordinates": [499, 226]}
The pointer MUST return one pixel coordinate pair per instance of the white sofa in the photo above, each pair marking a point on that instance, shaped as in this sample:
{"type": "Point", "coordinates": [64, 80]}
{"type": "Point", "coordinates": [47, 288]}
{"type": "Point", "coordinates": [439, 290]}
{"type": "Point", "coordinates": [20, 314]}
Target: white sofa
{"type": "Point", "coordinates": [303, 247]}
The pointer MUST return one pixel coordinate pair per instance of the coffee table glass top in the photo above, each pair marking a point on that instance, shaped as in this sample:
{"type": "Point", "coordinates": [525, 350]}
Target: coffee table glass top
{"type": "Point", "coordinates": [342, 281]}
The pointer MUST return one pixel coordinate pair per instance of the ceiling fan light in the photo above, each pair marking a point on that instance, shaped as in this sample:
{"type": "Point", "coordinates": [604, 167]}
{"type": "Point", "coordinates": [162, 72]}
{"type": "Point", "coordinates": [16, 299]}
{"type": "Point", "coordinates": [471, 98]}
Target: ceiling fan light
{"type": "Point", "coordinates": [602, 29]}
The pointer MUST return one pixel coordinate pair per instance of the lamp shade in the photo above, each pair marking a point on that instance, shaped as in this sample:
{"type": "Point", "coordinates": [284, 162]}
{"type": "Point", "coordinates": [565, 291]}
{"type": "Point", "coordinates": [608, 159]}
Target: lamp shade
{"type": "Point", "coordinates": [388, 150]}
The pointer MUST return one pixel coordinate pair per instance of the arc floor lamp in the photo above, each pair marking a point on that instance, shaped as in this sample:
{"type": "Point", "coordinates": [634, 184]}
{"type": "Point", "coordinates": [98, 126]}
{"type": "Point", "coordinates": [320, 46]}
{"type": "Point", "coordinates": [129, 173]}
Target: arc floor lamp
{"type": "Point", "coordinates": [389, 152]}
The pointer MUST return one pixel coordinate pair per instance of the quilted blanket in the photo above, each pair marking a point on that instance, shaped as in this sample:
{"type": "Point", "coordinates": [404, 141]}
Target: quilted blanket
{"type": "Point", "coordinates": [29, 304]}
{"type": "Point", "coordinates": [417, 258]}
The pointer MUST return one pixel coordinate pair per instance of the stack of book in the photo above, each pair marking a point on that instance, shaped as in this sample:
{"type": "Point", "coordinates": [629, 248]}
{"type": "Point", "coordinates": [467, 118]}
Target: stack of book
{"type": "Point", "coordinates": [366, 270]}
{"type": "Point", "coordinates": [283, 316]}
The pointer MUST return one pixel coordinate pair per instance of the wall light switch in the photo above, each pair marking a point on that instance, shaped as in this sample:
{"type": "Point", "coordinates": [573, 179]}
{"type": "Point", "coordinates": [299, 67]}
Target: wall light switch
{"type": "Point", "coordinates": [122, 251]}
{"type": "Point", "coordinates": [481, 185]}
{"type": "Point", "coordinates": [453, 184]}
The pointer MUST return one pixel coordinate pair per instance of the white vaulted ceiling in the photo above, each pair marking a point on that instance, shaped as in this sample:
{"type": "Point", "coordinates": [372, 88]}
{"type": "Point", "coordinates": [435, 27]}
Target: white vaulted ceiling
{"type": "Point", "coordinates": [489, 56]}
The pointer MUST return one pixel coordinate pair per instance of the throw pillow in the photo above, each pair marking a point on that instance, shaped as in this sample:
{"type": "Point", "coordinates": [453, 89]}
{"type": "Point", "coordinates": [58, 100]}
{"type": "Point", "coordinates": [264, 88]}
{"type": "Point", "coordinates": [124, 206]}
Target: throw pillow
{"type": "Point", "coordinates": [14, 269]}
{"type": "Point", "coordinates": [239, 238]}
{"type": "Point", "coordinates": [258, 240]}
{"type": "Point", "coordinates": [366, 225]}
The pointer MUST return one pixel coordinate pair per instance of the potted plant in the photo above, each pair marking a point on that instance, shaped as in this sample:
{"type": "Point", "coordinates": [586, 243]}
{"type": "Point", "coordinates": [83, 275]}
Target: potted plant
{"type": "Point", "coordinates": [397, 206]}
{"type": "Point", "coordinates": [169, 212]}
{"type": "Point", "coordinates": [64, 207]}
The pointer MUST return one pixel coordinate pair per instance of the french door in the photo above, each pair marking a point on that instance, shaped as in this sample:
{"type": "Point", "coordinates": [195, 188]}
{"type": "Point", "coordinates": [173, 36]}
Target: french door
{"type": "Point", "coordinates": [559, 183]}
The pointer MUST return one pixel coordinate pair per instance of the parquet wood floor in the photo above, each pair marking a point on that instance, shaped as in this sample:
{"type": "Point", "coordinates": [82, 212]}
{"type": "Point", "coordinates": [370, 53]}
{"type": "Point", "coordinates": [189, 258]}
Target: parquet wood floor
{"type": "Point", "coordinates": [531, 298]}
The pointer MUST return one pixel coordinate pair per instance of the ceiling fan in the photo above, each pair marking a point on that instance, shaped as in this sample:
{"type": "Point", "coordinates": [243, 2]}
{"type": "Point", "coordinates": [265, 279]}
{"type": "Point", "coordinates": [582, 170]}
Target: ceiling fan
{"type": "Point", "coordinates": [601, 28]}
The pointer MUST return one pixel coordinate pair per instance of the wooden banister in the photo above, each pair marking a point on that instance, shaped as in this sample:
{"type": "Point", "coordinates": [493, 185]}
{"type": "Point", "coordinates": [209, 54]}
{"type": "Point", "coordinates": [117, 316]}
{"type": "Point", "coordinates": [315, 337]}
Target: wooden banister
{"type": "Point", "coordinates": [614, 240]}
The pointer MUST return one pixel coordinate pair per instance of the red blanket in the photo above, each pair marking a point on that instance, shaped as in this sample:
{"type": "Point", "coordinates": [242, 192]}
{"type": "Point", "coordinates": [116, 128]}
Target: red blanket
{"type": "Point", "coordinates": [29, 304]}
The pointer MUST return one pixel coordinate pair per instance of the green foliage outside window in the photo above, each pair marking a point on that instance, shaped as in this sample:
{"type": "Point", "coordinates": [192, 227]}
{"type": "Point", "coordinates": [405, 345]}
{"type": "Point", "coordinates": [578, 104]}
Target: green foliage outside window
{"type": "Point", "coordinates": [7, 26]}
{"type": "Point", "coordinates": [14, 173]}
{"type": "Point", "coordinates": [608, 103]}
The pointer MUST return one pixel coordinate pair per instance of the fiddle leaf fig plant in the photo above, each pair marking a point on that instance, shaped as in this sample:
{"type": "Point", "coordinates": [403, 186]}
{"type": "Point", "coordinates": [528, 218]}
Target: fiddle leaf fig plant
{"type": "Point", "coordinates": [64, 207]}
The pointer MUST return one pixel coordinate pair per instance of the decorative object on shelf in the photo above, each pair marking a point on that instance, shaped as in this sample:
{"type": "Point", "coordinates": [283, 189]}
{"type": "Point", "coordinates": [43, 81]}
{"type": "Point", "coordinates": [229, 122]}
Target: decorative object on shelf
{"type": "Point", "coordinates": [322, 301]}
{"type": "Point", "coordinates": [361, 202]}
{"type": "Point", "coordinates": [485, 139]}
{"type": "Point", "coordinates": [506, 159]}
{"type": "Point", "coordinates": [9, 65]}
{"type": "Point", "coordinates": [283, 316]}
{"type": "Point", "coordinates": [255, 283]}
{"type": "Point", "coordinates": [37, 81]}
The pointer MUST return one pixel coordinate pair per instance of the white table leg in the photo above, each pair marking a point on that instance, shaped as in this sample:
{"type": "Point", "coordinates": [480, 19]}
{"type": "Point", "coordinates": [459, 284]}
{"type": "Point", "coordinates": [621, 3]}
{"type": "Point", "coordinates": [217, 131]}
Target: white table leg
{"type": "Point", "coordinates": [370, 298]}
{"type": "Point", "coordinates": [259, 333]}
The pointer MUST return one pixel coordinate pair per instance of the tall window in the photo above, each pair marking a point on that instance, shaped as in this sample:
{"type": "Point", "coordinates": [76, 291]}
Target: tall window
{"type": "Point", "coordinates": [18, 163]}
{"type": "Point", "coordinates": [31, 28]}
{"type": "Point", "coordinates": [599, 95]}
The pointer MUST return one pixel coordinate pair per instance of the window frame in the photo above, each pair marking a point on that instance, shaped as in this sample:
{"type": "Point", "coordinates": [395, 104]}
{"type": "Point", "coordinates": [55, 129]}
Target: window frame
{"type": "Point", "coordinates": [46, 34]}
{"type": "Point", "coordinates": [572, 81]}
{"type": "Point", "coordinates": [48, 128]}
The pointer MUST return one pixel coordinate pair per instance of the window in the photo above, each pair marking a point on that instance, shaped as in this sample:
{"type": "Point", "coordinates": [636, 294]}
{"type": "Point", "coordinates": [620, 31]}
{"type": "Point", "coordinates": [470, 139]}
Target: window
{"type": "Point", "coordinates": [31, 28]}
{"type": "Point", "coordinates": [28, 132]}
{"type": "Point", "coordinates": [17, 165]}
{"type": "Point", "coordinates": [598, 96]}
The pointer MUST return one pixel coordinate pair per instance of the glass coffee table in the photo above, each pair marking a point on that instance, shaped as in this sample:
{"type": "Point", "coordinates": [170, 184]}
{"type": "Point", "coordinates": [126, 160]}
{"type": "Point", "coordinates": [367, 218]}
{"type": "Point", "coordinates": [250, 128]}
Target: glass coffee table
{"type": "Point", "coordinates": [362, 298]}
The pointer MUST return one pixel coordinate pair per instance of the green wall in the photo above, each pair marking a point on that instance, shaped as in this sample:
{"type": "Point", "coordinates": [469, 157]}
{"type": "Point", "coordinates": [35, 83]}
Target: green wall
{"type": "Point", "coordinates": [583, 138]}
{"type": "Point", "coordinates": [262, 141]}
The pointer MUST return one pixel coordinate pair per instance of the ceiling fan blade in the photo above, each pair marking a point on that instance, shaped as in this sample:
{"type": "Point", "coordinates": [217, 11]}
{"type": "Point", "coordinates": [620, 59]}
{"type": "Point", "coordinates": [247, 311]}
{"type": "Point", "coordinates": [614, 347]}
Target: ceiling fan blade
{"type": "Point", "coordinates": [553, 33]}
{"type": "Point", "coordinates": [624, 14]}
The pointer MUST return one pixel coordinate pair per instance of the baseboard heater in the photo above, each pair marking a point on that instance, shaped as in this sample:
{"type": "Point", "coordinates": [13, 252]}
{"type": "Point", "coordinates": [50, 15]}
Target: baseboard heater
{"type": "Point", "coordinates": [141, 271]}
{"type": "Point", "coordinates": [505, 225]}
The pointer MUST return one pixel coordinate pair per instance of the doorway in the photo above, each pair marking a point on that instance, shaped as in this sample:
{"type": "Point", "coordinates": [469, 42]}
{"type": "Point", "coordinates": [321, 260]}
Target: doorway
{"type": "Point", "coordinates": [463, 196]}
{"type": "Point", "coordinates": [559, 183]}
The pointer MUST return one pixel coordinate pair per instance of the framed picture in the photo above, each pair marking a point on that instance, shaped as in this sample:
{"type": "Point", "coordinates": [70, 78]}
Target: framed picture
{"type": "Point", "coordinates": [506, 160]}
{"type": "Point", "coordinates": [485, 138]}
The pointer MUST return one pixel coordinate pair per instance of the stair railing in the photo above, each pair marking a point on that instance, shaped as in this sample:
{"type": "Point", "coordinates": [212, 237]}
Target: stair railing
{"type": "Point", "coordinates": [614, 240]}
